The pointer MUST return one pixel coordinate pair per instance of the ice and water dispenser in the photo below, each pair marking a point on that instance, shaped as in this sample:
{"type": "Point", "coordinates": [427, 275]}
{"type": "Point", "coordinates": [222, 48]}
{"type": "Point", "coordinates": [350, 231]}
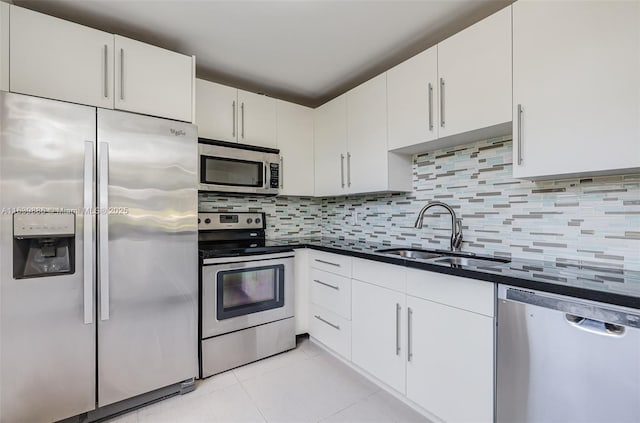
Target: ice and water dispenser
{"type": "Point", "coordinates": [43, 244]}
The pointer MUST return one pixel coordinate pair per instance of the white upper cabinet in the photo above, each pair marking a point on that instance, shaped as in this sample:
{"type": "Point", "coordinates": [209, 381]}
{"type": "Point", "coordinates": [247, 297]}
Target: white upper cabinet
{"type": "Point", "coordinates": [474, 71]}
{"type": "Point", "coordinates": [216, 111]}
{"type": "Point", "coordinates": [351, 144]}
{"type": "Point", "coordinates": [57, 59]}
{"type": "Point", "coordinates": [576, 88]}
{"type": "Point", "coordinates": [369, 166]}
{"type": "Point", "coordinates": [412, 100]}
{"type": "Point", "coordinates": [295, 141]}
{"type": "Point", "coordinates": [257, 120]}
{"type": "Point", "coordinates": [152, 80]}
{"type": "Point", "coordinates": [227, 114]}
{"type": "Point", "coordinates": [4, 46]}
{"type": "Point", "coordinates": [330, 147]}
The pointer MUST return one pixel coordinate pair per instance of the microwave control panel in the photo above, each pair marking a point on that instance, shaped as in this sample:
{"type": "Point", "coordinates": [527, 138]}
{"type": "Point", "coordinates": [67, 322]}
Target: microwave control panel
{"type": "Point", "coordinates": [275, 175]}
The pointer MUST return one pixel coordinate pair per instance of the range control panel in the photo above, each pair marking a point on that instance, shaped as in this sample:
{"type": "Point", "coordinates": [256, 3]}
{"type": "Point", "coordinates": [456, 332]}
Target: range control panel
{"type": "Point", "coordinates": [37, 225]}
{"type": "Point", "coordinates": [236, 220]}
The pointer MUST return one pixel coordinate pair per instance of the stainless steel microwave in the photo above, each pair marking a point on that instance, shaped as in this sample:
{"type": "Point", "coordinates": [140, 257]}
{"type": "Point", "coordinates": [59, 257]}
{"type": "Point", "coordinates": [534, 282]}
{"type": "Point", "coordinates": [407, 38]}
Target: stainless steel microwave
{"type": "Point", "coordinates": [231, 168]}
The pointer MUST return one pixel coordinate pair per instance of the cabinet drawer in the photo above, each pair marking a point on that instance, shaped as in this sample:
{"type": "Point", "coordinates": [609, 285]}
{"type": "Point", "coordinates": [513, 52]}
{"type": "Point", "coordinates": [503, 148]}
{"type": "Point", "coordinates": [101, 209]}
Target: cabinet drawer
{"type": "Point", "coordinates": [382, 274]}
{"type": "Point", "coordinates": [467, 294]}
{"type": "Point", "coordinates": [331, 330]}
{"type": "Point", "coordinates": [332, 292]}
{"type": "Point", "coordinates": [334, 263]}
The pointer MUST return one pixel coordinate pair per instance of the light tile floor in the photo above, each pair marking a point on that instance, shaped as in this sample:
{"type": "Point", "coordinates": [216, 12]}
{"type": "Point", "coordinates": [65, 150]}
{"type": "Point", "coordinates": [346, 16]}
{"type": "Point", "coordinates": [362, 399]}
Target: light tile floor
{"type": "Point", "coordinates": [303, 385]}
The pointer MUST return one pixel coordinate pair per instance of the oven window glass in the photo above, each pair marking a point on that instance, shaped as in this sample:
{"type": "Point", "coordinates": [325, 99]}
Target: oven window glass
{"type": "Point", "coordinates": [232, 172]}
{"type": "Point", "coordinates": [246, 291]}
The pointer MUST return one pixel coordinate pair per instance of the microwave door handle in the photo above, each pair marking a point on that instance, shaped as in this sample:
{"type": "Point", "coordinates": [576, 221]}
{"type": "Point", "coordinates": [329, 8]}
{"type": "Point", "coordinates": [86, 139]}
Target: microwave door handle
{"type": "Point", "coordinates": [264, 181]}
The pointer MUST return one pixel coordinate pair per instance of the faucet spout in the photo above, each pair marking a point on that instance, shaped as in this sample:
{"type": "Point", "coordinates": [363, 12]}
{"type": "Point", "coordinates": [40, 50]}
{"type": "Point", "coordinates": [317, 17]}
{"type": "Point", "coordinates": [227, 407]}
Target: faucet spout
{"type": "Point", "coordinates": [456, 223]}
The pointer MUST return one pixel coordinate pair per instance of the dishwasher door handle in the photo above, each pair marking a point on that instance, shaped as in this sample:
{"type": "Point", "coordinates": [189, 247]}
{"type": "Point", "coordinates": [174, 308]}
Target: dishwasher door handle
{"type": "Point", "coordinates": [594, 326]}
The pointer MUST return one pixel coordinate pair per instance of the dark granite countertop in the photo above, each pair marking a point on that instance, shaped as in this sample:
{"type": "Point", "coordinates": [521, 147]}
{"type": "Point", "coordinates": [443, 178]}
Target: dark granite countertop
{"type": "Point", "coordinates": [609, 285]}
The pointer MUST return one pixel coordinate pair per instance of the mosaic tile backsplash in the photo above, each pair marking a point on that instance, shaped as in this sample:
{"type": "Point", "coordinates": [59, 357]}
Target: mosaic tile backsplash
{"type": "Point", "coordinates": [591, 220]}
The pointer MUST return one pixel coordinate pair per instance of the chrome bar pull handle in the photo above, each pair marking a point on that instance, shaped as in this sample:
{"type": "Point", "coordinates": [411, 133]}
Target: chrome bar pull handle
{"type": "Point", "coordinates": [327, 262]}
{"type": "Point", "coordinates": [430, 107]}
{"type": "Point", "coordinates": [398, 309]}
{"type": "Point", "coordinates": [348, 169]}
{"type": "Point", "coordinates": [103, 228]}
{"type": "Point", "coordinates": [264, 168]}
{"type": "Point", "coordinates": [87, 237]}
{"type": "Point", "coordinates": [327, 322]}
{"type": "Point", "coordinates": [233, 129]}
{"type": "Point", "coordinates": [442, 102]}
{"type": "Point", "coordinates": [242, 118]}
{"type": "Point", "coordinates": [409, 334]}
{"type": "Point", "coordinates": [122, 74]}
{"type": "Point", "coordinates": [281, 172]}
{"type": "Point", "coordinates": [106, 72]}
{"type": "Point", "coordinates": [520, 113]}
{"type": "Point", "coordinates": [342, 170]}
{"type": "Point", "coordinates": [337, 288]}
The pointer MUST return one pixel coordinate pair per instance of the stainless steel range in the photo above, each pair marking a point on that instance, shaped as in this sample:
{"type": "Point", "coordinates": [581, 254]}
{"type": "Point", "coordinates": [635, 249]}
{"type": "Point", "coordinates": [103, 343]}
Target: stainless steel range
{"type": "Point", "coordinates": [246, 292]}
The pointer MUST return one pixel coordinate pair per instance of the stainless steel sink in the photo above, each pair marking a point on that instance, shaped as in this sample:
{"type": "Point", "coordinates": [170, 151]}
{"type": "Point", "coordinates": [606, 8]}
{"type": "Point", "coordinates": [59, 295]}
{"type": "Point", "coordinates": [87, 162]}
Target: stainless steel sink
{"type": "Point", "coordinates": [471, 261]}
{"type": "Point", "coordinates": [411, 253]}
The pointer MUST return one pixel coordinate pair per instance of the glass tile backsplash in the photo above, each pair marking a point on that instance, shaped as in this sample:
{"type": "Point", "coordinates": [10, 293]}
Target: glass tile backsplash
{"type": "Point", "coordinates": [587, 220]}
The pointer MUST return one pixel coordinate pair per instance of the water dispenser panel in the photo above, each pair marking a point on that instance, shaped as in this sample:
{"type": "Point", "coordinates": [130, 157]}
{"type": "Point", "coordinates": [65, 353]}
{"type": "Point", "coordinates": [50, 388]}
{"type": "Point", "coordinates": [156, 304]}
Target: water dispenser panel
{"type": "Point", "coordinates": [36, 225]}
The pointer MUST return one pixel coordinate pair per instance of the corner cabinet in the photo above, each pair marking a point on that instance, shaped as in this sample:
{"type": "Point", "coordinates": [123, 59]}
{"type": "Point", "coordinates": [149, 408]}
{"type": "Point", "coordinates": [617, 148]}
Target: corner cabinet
{"type": "Point", "coordinates": [152, 80]}
{"type": "Point", "coordinates": [352, 155]}
{"type": "Point", "coordinates": [57, 59]}
{"type": "Point", "coordinates": [295, 142]}
{"type": "Point", "coordinates": [576, 88]}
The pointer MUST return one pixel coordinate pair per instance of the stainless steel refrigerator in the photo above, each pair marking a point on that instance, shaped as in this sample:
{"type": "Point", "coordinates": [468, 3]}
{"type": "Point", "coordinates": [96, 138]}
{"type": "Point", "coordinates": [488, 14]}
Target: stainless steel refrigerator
{"type": "Point", "coordinates": [96, 306]}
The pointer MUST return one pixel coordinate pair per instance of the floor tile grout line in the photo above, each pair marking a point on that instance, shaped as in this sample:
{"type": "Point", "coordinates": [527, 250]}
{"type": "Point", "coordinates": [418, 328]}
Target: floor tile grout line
{"type": "Point", "coordinates": [253, 401]}
{"type": "Point", "coordinates": [350, 405]}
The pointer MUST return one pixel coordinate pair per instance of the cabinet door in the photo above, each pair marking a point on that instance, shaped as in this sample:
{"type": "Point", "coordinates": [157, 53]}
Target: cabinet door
{"type": "Point", "coordinates": [412, 100]}
{"type": "Point", "coordinates": [295, 141]}
{"type": "Point", "coordinates": [376, 332]}
{"type": "Point", "coordinates": [576, 68]}
{"type": "Point", "coordinates": [257, 124]}
{"type": "Point", "coordinates": [330, 147]}
{"type": "Point", "coordinates": [451, 361]}
{"type": "Point", "coordinates": [53, 58]}
{"type": "Point", "coordinates": [153, 81]}
{"type": "Point", "coordinates": [216, 111]}
{"type": "Point", "coordinates": [474, 67]}
{"type": "Point", "coordinates": [367, 157]}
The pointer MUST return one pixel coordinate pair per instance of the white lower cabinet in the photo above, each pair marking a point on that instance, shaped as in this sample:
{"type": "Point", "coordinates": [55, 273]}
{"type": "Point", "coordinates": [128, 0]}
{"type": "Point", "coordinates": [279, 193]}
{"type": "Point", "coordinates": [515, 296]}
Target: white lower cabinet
{"type": "Point", "coordinates": [450, 369]}
{"type": "Point", "coordinates": [426, 335]}
{"type": "Point", "coordinates": [331, 329]}
{"type": "Point", "coordinates": [376, 337]}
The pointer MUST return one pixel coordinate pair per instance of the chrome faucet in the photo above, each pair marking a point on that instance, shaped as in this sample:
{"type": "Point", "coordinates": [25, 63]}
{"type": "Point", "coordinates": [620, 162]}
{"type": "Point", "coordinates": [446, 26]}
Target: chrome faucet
{"type": "Point", "coordinates": [456, 224]}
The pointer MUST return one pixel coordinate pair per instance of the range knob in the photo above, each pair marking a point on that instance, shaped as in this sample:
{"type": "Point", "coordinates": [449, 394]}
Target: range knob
{"type": "Point", "coordinates": [207, 221]}
{"type": "Point", "coordinates": [257, 220]}
{"type": "Point", "coordinates": [199, 221]}
{"type": "Point", "coordinates": [249, 220]}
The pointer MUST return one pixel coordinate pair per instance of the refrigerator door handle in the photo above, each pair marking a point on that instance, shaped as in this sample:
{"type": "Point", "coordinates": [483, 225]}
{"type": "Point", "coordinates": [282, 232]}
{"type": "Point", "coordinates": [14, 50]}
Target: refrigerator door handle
{"type": "Point", "coordinates": [87, 240]}
{"type": "Point", "coordinates": [103, 227]}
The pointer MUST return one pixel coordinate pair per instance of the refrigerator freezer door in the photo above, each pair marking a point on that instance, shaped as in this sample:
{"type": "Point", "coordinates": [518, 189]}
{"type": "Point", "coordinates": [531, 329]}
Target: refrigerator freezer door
{"type": "Point", "coordinates": [148, 339]}
{"type": "Point", "coordinates": [47, 352]}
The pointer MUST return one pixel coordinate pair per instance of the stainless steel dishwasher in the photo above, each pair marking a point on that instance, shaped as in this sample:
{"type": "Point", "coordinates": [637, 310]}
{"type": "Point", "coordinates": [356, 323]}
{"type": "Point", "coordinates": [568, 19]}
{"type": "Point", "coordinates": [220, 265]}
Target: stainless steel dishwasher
{"type": "Point", "coordinates": [562, 359]}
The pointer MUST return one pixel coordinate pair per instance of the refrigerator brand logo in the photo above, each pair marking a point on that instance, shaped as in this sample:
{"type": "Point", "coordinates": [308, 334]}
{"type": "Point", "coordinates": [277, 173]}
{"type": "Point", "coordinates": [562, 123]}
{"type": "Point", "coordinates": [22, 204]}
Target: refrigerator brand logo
{"type": "Point", "coordinates": [177, 132]}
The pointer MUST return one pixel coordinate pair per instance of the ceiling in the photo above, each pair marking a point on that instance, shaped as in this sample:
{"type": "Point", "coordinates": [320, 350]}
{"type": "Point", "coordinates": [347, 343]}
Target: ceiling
{"type": "Point", "coordinates": [307, 52]}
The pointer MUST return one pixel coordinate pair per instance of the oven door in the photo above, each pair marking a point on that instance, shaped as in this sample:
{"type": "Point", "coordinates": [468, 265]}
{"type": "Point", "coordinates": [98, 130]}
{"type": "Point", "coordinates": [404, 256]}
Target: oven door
{"type": "Point", "coordinates": [241, 292]}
